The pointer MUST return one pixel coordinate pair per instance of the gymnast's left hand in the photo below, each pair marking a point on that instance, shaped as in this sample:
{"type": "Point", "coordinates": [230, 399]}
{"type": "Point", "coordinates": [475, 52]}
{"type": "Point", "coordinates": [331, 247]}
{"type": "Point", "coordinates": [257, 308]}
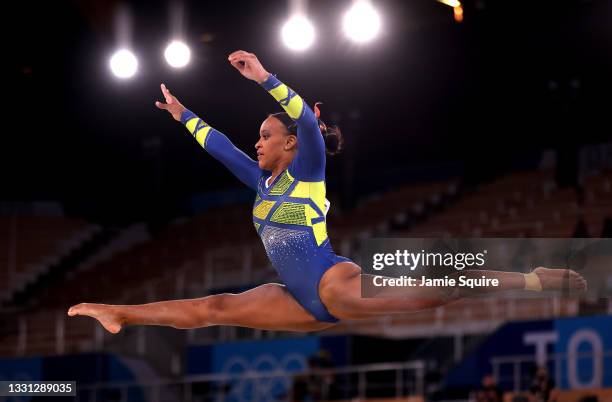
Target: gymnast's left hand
{"type": "Point", "coordinates": [248, 65]}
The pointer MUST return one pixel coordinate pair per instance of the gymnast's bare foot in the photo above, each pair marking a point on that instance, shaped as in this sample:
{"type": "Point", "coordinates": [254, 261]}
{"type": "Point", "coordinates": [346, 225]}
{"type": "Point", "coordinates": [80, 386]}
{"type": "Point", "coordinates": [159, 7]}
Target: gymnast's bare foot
{"type": "Point", "coordinates": [104, 313]}
{"type": "Point", "coordinates": [560, 279]}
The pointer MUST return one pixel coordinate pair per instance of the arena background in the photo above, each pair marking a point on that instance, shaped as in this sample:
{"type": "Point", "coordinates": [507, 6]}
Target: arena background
{"type": "Point", "coordinates": [493, 126]}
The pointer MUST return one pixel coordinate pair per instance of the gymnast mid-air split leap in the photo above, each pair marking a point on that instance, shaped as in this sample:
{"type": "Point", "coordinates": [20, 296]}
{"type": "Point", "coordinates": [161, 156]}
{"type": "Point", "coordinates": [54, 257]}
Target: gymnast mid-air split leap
{"type": "Point", "coordinates": [319, 287]}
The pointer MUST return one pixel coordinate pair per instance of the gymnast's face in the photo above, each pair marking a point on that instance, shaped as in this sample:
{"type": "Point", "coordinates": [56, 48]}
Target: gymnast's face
{"type": "Point", "coordinates": [276, 145]}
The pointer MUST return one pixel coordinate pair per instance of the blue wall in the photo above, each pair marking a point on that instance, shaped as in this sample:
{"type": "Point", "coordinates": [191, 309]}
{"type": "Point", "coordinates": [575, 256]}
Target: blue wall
{"type": "Point", "coordinates": [561, 336]}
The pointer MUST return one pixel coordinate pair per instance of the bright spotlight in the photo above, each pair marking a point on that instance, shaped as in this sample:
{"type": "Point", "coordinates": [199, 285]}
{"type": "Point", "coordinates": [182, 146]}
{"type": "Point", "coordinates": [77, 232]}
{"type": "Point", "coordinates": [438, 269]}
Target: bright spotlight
{"type": "Point", "coordinates": [177, 54]}
{"type": "Point", "coordinates": [124, 64]}
{"type": "Point", "coordinates": [298, 33]}
{"type": "Point", "coordinates": [451, 3]}
{"type": "Point", "coordinates": [457, 8]}
{"type": "Point", "coordinates": [361, 22]}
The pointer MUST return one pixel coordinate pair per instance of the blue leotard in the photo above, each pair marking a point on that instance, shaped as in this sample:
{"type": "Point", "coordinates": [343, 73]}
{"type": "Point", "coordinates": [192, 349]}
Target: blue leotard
{"type": "Point", "coordinates": [289, 215]}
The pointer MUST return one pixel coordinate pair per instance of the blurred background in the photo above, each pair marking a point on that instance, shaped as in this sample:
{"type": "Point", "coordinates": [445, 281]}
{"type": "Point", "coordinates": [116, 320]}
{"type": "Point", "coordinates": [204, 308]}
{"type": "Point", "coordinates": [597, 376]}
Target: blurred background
{"type": "Point", "coordinates": [475, 118]}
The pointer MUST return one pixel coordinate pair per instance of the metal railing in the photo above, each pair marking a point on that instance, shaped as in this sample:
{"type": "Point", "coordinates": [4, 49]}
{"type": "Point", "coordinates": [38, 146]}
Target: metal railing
{"type": "Point", "coordinates": [522, 366]}
{"type": "Point", "coordinates": [407, 379]}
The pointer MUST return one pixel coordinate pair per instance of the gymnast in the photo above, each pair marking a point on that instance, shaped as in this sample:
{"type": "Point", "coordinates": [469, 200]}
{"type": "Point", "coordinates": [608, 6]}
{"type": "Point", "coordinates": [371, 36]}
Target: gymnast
{"type": "Point", "coordinates": [319, 287]}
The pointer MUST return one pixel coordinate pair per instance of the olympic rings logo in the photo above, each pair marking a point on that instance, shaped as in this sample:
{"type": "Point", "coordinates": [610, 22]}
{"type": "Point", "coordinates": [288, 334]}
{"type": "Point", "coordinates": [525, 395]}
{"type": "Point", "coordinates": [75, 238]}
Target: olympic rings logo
{"type": "Point", "coordinates": [272, 387]}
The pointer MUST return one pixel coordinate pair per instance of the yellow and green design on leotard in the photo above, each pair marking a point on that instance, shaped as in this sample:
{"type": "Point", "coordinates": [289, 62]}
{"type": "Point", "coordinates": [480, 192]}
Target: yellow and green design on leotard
{"type": "Point", "coordinates": [199, 130]}
{"type": "Point", "coordinates": [303, 206]}
{"type": "Point", "coordinates": [289, 100]}
{"type": "Point", "coordinates": [262, 209]}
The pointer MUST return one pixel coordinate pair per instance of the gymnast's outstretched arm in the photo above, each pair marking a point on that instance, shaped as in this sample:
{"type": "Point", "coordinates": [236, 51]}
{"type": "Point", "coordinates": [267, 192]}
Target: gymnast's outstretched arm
{"type": "Point", "coordinates": [309, 163]}
{"type": "Point", "coordinates": [213, 141]}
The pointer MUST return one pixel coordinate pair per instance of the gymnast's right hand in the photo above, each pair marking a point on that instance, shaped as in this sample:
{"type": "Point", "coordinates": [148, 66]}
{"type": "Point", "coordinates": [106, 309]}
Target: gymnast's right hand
{"type": "Point", "coordinates": [172, 105]}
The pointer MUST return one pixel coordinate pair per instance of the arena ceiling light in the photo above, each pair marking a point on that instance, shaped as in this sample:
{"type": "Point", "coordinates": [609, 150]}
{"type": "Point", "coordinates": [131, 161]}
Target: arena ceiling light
{"type": "Point", "coordinates": [298, 33]}
{"type": "Point", "coordinates": [177, 54]}
{"type": "Point", "coordinates": [361, 22]}
{"type": "Point", "coordinates": [124, 64]}
{"type": "Point", "coordinates": [451, 3]}
{"type": "Point", "coordinates": [457, 8]}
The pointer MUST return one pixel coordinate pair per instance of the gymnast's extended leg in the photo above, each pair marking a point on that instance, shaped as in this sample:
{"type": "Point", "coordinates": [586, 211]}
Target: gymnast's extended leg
{"type": "Point", "coordinates": [340, 290]}
{"type": "Point", "coordinates": [268, 307]}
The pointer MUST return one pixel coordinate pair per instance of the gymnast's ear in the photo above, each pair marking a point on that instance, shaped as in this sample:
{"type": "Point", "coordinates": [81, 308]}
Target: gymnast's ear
{"type": "Point", "coordinates": [290, 142]}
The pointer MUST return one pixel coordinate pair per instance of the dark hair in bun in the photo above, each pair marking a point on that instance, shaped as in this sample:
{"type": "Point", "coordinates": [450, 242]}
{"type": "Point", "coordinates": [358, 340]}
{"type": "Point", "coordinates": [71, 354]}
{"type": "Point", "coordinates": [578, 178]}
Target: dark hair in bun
{"type": "Point", "coordinates": [331, 134]}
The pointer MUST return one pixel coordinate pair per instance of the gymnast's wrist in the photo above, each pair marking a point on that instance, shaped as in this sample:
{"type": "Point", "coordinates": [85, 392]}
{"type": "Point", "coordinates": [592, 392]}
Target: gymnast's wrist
{"type": "Point", "coordinates": [270, 83]}
{"type": "Point", "coordinates": [263, 78]}
{"type": "Point", "coordinates": [187, 115]}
